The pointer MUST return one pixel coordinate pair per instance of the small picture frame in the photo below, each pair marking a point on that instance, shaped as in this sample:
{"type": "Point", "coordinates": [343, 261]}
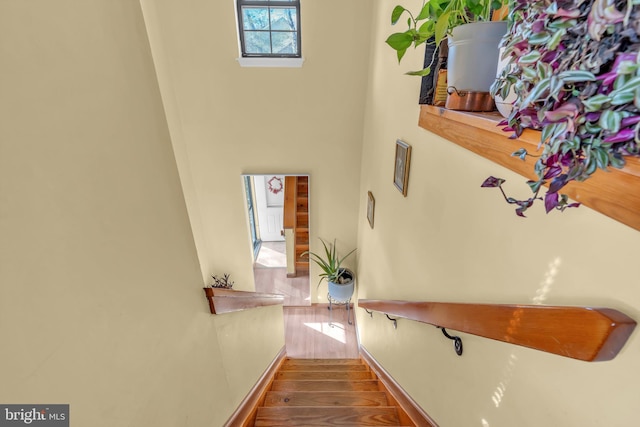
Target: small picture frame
{"type": "Point", "coordinates": [401, 169]}
{"type": "Point", "coordinates": [371, 207]}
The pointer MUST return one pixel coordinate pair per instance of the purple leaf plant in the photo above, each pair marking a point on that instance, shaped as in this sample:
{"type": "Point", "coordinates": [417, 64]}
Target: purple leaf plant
{"type": "Point", "coordinates": [575, 69]}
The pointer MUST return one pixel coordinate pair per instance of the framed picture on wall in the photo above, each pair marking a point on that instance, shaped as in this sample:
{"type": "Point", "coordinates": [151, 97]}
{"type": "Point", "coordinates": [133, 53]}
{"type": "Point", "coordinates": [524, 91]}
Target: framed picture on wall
{"type": "Point", "coordinates": [371, 206]}
{"type": "Point", "coordinates": [401, 170]}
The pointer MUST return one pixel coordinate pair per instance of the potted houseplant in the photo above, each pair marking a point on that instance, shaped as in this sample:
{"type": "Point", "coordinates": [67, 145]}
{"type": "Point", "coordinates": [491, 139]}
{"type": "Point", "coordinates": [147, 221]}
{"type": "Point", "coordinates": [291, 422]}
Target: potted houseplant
{"type": "Point", "coordinates": [575, 72]}
{"type": "Point", "coordinates": [472, 36]}
{"type": "Point", "coordinates": [223, 282]}
{"type": "Point", "coordinates": [340, 279]}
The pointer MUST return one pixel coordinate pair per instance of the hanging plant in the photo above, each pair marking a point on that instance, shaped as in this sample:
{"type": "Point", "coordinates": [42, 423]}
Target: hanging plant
{"type": "Point", "coordinates": [575, 69]}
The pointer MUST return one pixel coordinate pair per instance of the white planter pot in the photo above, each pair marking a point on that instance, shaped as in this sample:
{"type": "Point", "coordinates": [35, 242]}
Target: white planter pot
{"type": "Point", "coordinates": [342, 292]}
{"type": "Point", "coordinates": [505, 106]}
{"type": "Point", "coordinates": [473, 55]}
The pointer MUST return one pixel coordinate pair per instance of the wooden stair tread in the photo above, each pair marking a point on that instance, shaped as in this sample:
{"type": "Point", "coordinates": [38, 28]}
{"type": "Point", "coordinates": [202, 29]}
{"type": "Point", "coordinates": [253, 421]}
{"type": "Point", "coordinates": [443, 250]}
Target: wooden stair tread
{"type": "Point", "coordinates": [327, 385]}
{"type": "Point", "coordinates": [326, 398]}
{"type": "Point", "coordinates": [324, 368]}
{"type": "Point", "coordinates": [299, 361]}
{"type": "Point", "coordinates": [327, 416]}
{"type": "Point", "coordinates": [324, 375]}
{"type": "Point", "coordinates": [296, 218]}
{"type": "Point", "coordinates": [328, 392]}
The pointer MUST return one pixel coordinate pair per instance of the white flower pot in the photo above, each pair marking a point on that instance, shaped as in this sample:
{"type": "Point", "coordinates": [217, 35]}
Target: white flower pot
{"type": "Point", "coordinates": [473, 55]}
{"type": "Point", "coordinates": [505, 105]}
{"type": "Point", "coordinates": [342, 292]}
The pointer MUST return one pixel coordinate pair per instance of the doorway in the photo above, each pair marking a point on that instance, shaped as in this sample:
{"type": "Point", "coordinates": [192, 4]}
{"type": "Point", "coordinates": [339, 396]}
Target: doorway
{"type": "Point", "coordinates": [278, 225]}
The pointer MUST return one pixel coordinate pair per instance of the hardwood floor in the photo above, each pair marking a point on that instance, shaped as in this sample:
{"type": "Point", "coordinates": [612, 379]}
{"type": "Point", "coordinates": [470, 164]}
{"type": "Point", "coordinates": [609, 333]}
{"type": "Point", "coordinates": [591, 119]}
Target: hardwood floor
{"type": "Point", "coordinates": [309, 336]}
{"type": "Point", "coordinates": [270, 276]}
{"type": "Point", "coordinates": [307, 331]}
{"type": "Point", "coordinates": [296, 290]}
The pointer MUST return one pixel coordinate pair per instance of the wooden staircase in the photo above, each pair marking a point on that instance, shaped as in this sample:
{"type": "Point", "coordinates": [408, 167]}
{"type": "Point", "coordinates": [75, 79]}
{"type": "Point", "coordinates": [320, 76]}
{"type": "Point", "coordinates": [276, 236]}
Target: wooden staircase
{"type": "Point", "coordinates": [302, 224]}
{"type": "Point", "coordinates": [296, 220]}
{"type": "Point", "coordinates": [328, 392]}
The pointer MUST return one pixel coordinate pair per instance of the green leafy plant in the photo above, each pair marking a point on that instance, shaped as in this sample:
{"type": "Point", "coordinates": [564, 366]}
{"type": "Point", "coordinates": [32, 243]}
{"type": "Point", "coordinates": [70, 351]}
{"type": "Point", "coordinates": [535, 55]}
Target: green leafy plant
{"type": "Point", "coordinates": [330, 263]}
{"type": "Point", "coordinates": [436, 20]}
{"type": "Point", "coordinates": [575, 69]}
{"type": "Point", "coordinates": [222, 282]}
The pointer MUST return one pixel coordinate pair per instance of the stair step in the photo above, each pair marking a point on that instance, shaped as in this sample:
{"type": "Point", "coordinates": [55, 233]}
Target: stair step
{"type": "Point", "coordinates": [323, 368]}
{"type": "Point", "coordinates": [302, 204]}
{"type": "Point", "coordinates": [295, 361]}
{"type": "Point", "coordinates": [324, 375]}
{"type": "Point", "coordinates": [327, 416]}
{"type": "Point", "coordinates": [302, 236]}
{"type": "Point", "coordinates": [302, 220]}
{"type": "Point", "coordinates": [302, 268]}
{"type": "Point", "coordinates": [301, 247]}
{"type": "Point", "coordinates": [326, 398]}
{"type": "Point", "coordinates": [328, 385]}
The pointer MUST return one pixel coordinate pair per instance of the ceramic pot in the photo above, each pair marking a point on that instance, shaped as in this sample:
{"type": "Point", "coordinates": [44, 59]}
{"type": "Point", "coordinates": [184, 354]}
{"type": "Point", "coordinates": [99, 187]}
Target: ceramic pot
{"type": "Point", "coordinates": [505, 105]}
{"type": "Point", "coordinates": [342, 292]}
{"type": "Point", "coordinates": [473, 55]}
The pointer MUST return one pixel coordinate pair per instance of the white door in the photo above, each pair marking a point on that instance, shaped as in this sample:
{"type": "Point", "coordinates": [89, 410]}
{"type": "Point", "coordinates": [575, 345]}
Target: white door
{"type": "Point", "coordinates": [270, 206]}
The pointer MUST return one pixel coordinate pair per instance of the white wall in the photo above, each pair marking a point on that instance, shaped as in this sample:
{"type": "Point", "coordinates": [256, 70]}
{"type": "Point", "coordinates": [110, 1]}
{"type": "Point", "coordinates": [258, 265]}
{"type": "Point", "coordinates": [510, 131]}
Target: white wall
{"type": "Point", "coordinates": [226, 120]}
{"type": "Point", "coordinates": [450, 240]}
{"type": "Point", "coordinates": [101, 303]}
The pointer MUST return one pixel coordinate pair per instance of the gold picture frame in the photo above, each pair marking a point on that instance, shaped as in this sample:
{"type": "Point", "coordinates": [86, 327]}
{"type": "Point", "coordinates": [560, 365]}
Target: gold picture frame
{"type": "Point", "coordinates": [371, 207]}
{"type": "Point", "coordinates": [401, 169]}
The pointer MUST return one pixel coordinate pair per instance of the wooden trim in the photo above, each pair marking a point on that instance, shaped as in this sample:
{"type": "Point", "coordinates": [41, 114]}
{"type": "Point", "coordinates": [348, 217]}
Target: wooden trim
{"type": "Point", "coordinates": [290, 222]}
{"type": "Point", "coordinates": [615, 193]}
{"type": "Point", "coordinates": [403, 401]}
{"type": "Point", "coordinates": [245, 414]}
{"type": "Point", "coordinates": [289, 210]}
{"type": "Point", "coordinates": [584, 333]}
{"type": "Point", "coordinates": [227, 300]}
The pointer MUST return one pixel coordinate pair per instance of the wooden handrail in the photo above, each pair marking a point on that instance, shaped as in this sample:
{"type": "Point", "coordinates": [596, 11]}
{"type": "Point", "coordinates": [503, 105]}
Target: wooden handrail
{"type": "Point", "coordinates": [227, 300]}
{"type": "Point", "coordinates": [584, 333]}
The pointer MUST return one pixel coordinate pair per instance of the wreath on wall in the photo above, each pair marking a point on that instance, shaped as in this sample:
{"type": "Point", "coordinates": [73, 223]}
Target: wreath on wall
{"type": "Point", "coordinates": [275, 185]}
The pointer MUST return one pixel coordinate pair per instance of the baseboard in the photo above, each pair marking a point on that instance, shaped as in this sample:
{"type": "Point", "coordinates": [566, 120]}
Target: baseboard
{"type": "Point", "coordinates": [245, 414]}
{"type": "Point", "coordinates": [412, 410]}
{"type": "Point", "coordinates": [336, 305]}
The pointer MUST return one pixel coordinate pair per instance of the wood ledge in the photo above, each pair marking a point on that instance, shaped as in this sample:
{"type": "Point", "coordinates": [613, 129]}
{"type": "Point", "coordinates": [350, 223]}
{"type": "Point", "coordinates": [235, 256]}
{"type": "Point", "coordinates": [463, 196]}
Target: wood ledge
{"type": "Point", "coordinates": [227, 300]}
{"type": "Point", "coordinates": [614, 193]}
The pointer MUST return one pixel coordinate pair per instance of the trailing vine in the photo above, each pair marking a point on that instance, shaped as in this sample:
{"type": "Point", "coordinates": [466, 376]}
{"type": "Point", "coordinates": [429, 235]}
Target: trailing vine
{"type": "Point", "coordinates": [575, 69]}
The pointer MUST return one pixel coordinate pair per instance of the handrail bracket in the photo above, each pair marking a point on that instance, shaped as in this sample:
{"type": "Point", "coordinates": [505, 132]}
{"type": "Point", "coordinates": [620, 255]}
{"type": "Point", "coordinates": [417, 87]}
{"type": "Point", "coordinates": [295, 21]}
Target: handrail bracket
{"type": "Point", "coordinates": [457, 341]}
{"type": "Point", "coordinates": [395, 321]}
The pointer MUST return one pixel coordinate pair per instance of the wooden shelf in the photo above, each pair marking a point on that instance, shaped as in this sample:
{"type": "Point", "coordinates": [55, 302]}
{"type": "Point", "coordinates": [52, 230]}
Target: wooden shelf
{"type": "Point", "coordinates": [615, 193]}
{"type": "Point", "coordinates": [227, 300]}
{"type": "Point", "coordinates": [583, 333]}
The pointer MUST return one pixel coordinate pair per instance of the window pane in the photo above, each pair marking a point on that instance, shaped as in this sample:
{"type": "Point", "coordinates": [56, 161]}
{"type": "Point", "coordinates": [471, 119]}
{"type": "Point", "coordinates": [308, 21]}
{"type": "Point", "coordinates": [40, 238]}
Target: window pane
{"type": "Point", "coordinates": [257, 42]}
{"type": "Point", "coordinates": [284, 43]}
{"type": "Point", "coordinates": [255, 18]}
{"type": "Point", "coordinates": [269, 27]}
{"type": "Point", "coordinates": [283, 19]}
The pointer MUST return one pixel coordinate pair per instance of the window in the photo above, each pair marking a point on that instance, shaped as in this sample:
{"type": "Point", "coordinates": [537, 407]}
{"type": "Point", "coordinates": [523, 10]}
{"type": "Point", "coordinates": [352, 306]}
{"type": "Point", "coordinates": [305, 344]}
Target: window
{"type": "Point", "coordinates": [269, 28]}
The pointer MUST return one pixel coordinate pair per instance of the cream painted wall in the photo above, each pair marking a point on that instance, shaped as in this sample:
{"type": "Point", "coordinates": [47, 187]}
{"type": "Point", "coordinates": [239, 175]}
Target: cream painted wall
{"type": "Point", "coordinates": [229, 120]}
{"type": "Point", "coordinates": [101, 303]}
{"type": "Point", "coordinates": [450, 240]}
